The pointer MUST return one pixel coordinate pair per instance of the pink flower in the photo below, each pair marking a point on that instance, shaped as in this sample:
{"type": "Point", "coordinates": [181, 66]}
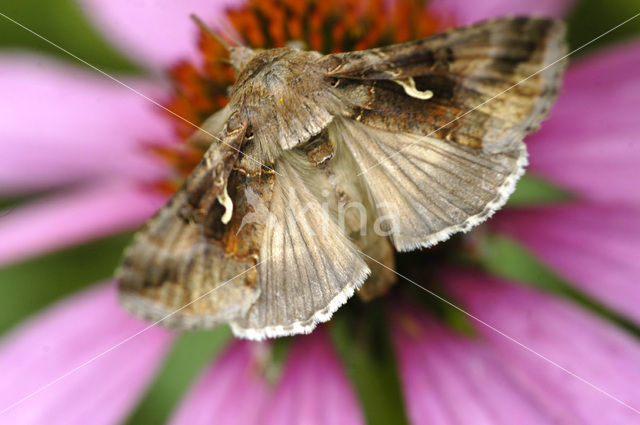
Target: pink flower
{"type": "Point", "coordinates": [84, 360]}
{"type": "Point", "coordinates": [312, 389]}
{"type": "Point", "coordinates": [489, 379]}
{"type": "Point", "coordinates": [80, 347]}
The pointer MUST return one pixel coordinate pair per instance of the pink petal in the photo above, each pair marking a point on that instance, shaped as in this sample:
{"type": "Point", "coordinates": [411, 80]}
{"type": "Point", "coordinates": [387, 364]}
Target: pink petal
{"type": "Point", "coordinates": [595, 247]}
{"type": "Point", "coordinates": [453, 379]}
{"type": "Point", "coordinates": [580, 342]}
{"type": "Point", "coordinates": [157, 33]}
{"type": "Point", "coordinates": [62, 123]}
{"type": "Point", "coordinates": [465, 12]}
{"type": "Point", "coordinates": [589, 144]}
{"type": "Point", "coordinates": [74, 217]}
{"type": "Point", "coordinates": [64, 341]}
{"type": "Point", "coordinates": [233, 391]}
{"type": "Point", "coordinates": [314, 389]}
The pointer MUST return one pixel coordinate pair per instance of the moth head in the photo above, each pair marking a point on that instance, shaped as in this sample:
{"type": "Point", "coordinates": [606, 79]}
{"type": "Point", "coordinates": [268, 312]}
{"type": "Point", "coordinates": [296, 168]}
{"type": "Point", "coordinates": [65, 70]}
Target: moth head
{"type": "Point", "coordinates": [240, 56]}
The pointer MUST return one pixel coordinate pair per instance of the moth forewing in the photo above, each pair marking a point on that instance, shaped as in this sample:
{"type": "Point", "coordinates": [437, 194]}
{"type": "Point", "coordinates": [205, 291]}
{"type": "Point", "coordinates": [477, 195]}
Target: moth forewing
{"type": "Point", "coordinates": [425, 135]}
{"type": "Point", "coordinates": [491, 83]}
{"type": "Point", "coordinates": [176, 256]}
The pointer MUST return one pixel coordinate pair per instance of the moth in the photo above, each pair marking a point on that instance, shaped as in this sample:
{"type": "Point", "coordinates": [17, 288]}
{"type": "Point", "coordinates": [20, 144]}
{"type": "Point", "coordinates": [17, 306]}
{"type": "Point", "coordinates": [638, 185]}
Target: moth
{"type": "Point", "coordinates": [425, 137]}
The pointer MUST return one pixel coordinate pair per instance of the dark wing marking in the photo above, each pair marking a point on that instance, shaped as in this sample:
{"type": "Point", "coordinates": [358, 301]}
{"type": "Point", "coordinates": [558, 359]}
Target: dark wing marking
{"type": "Point", "coordinates": [184, 251]}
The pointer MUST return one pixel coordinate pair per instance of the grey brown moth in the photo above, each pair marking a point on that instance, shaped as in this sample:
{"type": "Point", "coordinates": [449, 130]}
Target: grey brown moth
{"type": "Point", "coordinates": [425, 136]}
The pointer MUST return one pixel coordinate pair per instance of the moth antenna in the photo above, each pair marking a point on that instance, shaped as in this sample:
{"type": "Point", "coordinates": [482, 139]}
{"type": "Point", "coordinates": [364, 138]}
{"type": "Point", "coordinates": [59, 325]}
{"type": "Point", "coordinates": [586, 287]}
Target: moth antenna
{"type": "Point", "coordinates": [223, 60]}
{"type": "Point", "coordinates": [231, 34]}
{"type": "Point", "coordinates": [211, 32]}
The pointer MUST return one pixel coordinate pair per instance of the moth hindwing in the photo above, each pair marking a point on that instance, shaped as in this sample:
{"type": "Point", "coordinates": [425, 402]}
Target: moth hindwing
{"type": "Point", "coordinates": [422, 139]}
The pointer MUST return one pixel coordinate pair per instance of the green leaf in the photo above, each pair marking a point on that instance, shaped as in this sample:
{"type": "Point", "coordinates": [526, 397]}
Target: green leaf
{"type": "Point", "coordinates": [532, 190]}
{"type": "Point", "coordinates": [29, 286]}
{"type": "Point", "coordinates": [506, 258]}
{"type": "Point", "coordinates": [61, 22]}
{"type": "Point", "coordinates": [371, 365]}
{"type": "Point", "coordinates": [591, 18]}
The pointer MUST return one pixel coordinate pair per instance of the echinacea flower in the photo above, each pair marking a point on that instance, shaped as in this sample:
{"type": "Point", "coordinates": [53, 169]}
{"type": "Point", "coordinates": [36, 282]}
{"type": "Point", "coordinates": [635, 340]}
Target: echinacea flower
{"type": "Point", "coordinates": [110, 158]}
